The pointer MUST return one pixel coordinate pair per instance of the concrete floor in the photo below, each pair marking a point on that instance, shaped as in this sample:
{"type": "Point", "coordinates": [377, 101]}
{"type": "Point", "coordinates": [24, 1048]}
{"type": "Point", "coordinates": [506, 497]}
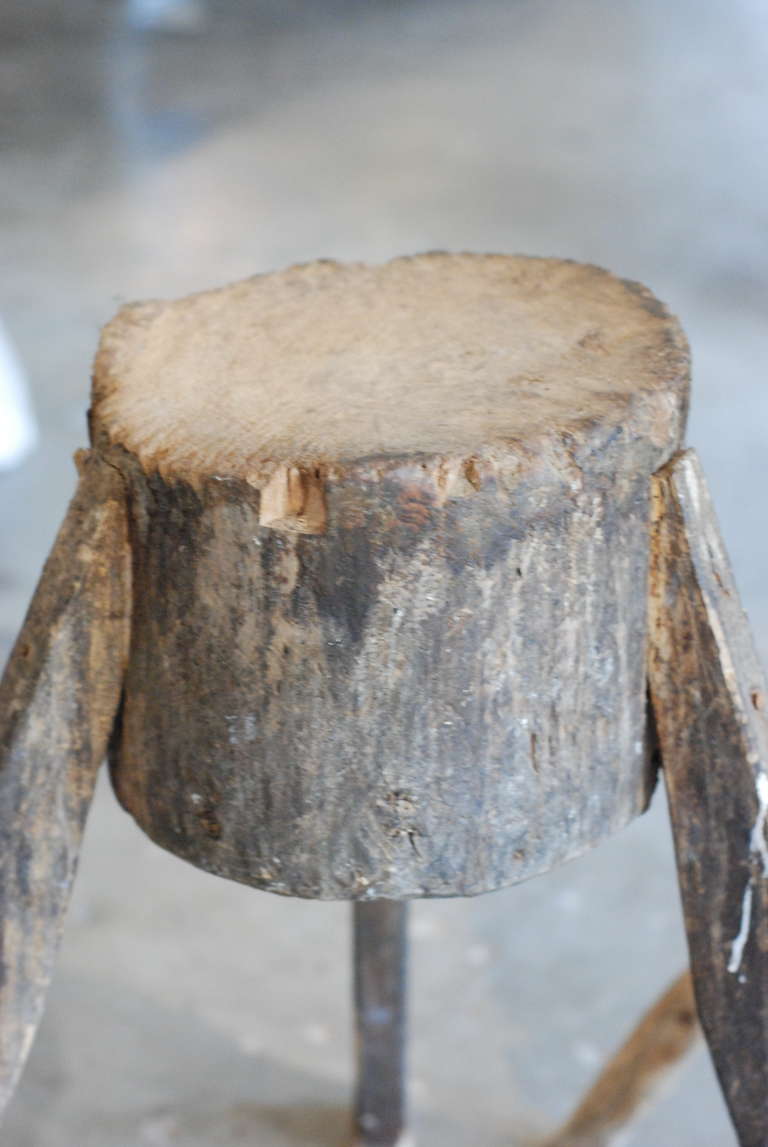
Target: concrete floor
{"type": "Point", "coordinates": [140, 162]}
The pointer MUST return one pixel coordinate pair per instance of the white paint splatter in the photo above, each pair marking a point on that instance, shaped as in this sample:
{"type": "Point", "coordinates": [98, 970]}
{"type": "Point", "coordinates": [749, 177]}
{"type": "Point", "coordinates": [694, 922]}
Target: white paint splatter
{"type": "Point", "coordinates": [757, 842]}
{"type": "Point", "coordinates": [241, 727]}
{"type": "Point", "coordinates": [738, 945]}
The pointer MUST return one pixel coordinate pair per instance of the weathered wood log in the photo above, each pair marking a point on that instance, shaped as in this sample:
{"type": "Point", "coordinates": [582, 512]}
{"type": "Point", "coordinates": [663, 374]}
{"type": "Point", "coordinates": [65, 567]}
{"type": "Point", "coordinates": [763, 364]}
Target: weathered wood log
{"type": "Point", "coordinates": [58, 700]}
{"type": "Point", "coordinates": [710, 705]}
{"type": "Point", "coordinates": [632, 1077]}
{"type": "Point", "coordinates": [390, 543]}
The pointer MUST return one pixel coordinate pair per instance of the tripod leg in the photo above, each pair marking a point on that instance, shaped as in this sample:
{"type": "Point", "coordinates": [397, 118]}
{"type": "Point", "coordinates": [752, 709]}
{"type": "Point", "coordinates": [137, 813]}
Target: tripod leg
{"type": "Point", "coordinates": [58, 699]}
{"type": "Point", "coordinates": [640, 1067]}
{"type": "Point", "coordinates": [380, 1002]}
{"type": "Point", "coordinates": [711, 710]}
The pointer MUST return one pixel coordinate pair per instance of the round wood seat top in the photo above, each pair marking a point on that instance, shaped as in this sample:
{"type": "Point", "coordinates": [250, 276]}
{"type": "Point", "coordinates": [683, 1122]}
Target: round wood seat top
{"type": "Point", "coordinates": [444, 355]}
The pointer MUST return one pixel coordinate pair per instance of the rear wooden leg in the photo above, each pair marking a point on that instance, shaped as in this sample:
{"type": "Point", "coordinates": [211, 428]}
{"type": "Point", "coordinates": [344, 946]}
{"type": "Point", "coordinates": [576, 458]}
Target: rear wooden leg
{"type": "Point", "coordinates": [636, 1073]}
{"type": "Point", "coordinates": [380, 944]}
{"type": "Point", "coordinates": [711, 709]}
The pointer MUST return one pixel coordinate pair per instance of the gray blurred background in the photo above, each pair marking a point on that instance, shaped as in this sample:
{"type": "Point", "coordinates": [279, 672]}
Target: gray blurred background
{"type": "Point", "coordinates": [157, 148]}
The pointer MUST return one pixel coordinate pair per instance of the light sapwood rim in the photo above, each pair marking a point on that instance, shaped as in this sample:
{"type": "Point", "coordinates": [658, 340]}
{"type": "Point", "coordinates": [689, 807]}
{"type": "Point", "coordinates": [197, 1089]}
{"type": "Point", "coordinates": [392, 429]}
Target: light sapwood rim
{"type": "Point", "coordinates": [305, 373]}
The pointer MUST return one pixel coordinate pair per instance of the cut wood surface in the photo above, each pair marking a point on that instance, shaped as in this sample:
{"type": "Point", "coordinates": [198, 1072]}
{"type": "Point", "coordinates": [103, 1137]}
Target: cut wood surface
{"type": "Point", "coordinates": [390, 531]}
{"type": "Point", "coordinates": [711, 710]}
{"type": "Point", "coordinates": [58, 700]}
{"type": "Point", "coordinates": [327, 364]}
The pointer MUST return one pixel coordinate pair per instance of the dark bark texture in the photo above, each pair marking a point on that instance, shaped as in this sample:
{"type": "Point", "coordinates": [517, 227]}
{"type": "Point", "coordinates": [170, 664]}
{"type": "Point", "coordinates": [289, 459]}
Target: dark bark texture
{"type": "Point", "coordinates": [58, 700]}
{"type": "Point", "coordinates": [711, 709]}
{"type": "Point", "coordinates": [434, 697]}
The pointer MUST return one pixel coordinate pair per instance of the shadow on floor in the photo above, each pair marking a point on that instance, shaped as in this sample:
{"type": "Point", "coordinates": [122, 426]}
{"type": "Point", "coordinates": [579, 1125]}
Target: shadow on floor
{"type": "Point", "coordinates": [173, 1080]}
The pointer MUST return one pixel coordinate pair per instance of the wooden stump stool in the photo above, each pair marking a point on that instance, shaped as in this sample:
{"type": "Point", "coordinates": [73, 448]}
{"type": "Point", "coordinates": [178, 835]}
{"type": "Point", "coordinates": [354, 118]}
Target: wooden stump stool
{"type": "Point", "coordinates": [355, 586]}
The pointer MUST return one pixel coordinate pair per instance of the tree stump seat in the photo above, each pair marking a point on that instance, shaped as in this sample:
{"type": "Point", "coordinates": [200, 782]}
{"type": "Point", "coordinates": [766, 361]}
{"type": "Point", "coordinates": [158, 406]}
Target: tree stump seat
{"type": "Point", "coordinates": [364, 586]}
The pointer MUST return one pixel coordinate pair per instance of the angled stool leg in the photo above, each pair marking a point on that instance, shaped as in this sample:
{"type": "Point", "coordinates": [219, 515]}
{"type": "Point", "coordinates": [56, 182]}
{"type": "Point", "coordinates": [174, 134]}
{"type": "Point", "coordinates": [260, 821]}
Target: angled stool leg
{"type": "Point", "coordinates": [58, 699]}
{"type": "Point", "coordinates": [709, 700]}
{"type": "Point", "coordinates": [631, 1078]}
{"type": "Point", "coordinates": [380, 945]}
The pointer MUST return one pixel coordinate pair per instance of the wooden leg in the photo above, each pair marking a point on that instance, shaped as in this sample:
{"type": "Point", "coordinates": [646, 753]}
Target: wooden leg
{"type": "Point", "coordinates": [629, 1080]}
{"type": "Point", "coordinates": [380, 1005]}
{"type": "Point", "coordinates": [711, 709]}
{"type": "Point", "coordinates": [58, 699]}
